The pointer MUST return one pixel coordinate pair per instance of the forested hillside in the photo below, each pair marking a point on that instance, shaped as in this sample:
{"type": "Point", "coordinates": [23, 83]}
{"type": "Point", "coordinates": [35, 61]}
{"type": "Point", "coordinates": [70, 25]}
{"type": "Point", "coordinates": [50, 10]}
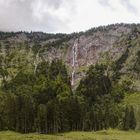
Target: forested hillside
{"type": "Point", "coordinates": [85, 81]}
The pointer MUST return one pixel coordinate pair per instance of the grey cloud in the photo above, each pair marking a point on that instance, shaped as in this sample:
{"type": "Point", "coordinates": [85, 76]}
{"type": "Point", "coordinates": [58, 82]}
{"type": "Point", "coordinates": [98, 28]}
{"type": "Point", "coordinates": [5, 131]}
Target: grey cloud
{"type": "Point", "coordinates": [125, 3]}
{"type": "Point", "coordinates": [18, 15]}
{"type": "Point", "coordinates": [104, 3]}
{"type": "Point", "coordinates": [55, 3]}
{"type": "Point", "coordinates": [130, 7]}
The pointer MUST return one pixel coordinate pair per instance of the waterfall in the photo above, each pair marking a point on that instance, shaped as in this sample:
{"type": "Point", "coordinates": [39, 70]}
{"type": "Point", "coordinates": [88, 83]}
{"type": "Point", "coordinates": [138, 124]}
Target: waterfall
{"type": "Point", "coordinates": [72, 77]}
{"type": "Point", "coordinates": [74, 61]}
{"type": "Point", "coordinates": [36, 62]}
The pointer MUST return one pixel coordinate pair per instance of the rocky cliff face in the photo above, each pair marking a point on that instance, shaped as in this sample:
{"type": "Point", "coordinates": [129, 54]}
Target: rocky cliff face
{"type": "Point", "coordinates": [77, 50]}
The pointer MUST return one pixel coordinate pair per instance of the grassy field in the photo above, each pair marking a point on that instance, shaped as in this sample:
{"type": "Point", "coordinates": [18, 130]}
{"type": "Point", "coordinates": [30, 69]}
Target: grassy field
{"type": "Point", "coordinates": [102, 135]}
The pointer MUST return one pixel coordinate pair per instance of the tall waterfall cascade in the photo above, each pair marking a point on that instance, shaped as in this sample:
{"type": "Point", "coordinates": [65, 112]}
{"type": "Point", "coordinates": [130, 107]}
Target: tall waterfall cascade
{"type": "Point", "coordinates": [74, 61]}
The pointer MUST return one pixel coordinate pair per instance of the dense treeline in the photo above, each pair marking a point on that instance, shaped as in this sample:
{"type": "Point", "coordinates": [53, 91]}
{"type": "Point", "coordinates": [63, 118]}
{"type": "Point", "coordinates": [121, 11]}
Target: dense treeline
{"type": "Point", "coordinates": [43, 101]}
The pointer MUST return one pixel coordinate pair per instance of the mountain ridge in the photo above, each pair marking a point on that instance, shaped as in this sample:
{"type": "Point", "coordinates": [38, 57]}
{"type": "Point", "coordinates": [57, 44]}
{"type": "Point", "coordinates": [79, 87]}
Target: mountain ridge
{"type": "Point", "coordinates": [92, 47]}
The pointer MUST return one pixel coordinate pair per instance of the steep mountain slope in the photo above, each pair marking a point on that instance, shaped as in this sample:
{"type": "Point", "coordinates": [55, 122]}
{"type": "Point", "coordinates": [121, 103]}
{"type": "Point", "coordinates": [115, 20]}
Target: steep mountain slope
{"type": "Point", "coordinates": [118, 44]}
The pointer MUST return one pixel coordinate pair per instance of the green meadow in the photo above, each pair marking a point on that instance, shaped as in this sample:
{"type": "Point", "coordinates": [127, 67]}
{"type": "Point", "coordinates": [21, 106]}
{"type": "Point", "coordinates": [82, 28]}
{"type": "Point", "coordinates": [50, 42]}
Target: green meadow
{"type": "Point", "coordinates": [101, 135]}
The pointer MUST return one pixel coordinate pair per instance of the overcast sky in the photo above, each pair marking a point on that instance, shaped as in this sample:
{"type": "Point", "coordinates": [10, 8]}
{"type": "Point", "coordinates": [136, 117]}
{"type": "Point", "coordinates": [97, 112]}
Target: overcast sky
{"type": "Point", "coordinates": [65, 15]}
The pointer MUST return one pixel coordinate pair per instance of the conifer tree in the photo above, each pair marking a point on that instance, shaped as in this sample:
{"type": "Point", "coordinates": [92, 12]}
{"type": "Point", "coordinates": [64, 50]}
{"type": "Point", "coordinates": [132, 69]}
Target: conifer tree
{"type": "Point", "coordinates": [132, 123]}
{"type": "Point", "coordinates": [126, 119]}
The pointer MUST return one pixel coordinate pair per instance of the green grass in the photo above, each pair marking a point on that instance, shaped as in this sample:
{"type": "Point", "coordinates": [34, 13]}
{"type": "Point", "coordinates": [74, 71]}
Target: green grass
{"type": "Point", "coordinates": [101, 135]}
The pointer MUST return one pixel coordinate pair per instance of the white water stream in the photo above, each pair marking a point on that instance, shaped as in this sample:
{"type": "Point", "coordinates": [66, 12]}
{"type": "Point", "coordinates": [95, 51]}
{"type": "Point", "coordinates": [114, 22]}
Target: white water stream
{"type": "Point", "coordinates": [74, 61]}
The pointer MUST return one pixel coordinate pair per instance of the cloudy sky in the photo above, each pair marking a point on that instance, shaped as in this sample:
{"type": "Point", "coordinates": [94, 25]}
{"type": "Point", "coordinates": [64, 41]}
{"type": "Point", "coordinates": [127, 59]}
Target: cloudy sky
{"type": "Point", "coordinates": [65, 15]}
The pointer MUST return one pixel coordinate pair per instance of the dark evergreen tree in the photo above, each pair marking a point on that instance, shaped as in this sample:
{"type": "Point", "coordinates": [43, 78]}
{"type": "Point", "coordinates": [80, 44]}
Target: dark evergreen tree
{"type": "Point", "coordinates": [132, 121]}
{"type": "Point", "coordinates": [126, 119]}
